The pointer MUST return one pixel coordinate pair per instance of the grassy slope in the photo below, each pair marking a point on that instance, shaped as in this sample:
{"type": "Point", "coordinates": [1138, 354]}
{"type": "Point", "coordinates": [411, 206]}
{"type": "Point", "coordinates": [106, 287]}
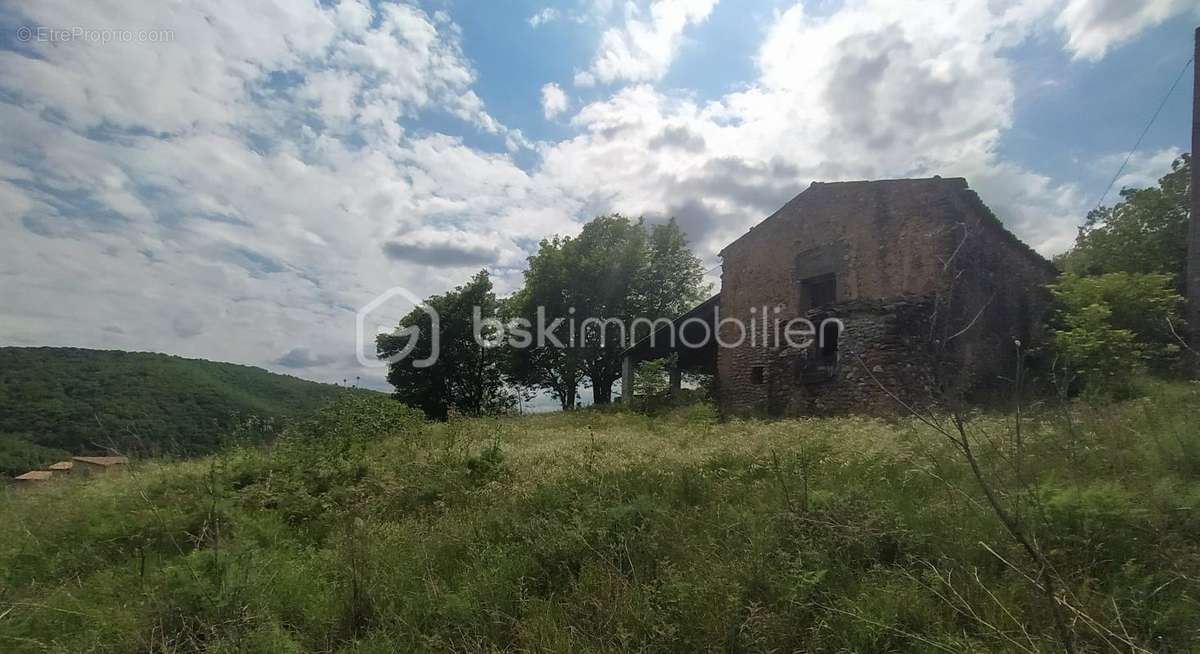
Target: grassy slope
{"type": "Point", "coordinates": [614, 532]}
{"type": "Point", "coordinates": [78, 400]}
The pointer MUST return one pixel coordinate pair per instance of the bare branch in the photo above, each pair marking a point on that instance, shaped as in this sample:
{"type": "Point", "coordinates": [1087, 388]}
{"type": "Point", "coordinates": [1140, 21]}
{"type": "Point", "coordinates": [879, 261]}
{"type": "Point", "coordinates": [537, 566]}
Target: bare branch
{"type": "Point", "coordinates": [973, 320]}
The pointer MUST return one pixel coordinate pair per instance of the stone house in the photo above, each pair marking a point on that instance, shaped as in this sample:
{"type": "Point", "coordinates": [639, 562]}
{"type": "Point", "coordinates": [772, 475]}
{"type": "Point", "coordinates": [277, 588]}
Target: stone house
{"type": "Point", "coordinates": [907, 286]}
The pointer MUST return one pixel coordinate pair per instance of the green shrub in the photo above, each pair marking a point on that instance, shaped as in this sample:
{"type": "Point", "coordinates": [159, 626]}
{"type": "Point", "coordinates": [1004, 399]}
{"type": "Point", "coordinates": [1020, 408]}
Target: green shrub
{"type": "Point", "coordinates": [19, 455]}
{"type": "Point", "coordinates": [1108, 327]}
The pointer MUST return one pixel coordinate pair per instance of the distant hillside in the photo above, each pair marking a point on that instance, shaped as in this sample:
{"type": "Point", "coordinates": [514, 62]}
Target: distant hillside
{"type": "Point", "coordinates": [75, 400]}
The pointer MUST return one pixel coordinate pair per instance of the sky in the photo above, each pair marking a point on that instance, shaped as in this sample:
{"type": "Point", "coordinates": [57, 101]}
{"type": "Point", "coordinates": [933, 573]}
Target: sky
{"type": "Point", "coordinates": [237, 180]}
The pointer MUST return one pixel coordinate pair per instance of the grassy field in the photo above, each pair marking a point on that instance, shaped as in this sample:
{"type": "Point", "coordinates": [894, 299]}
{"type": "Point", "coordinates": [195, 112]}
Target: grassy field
{"type": "Point", "coordinates": [368, 530]}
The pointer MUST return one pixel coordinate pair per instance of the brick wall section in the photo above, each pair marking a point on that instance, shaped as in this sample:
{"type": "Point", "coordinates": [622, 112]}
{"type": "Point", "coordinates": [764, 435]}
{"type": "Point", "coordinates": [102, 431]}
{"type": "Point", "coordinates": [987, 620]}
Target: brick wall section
{"type": "Point", "coordinates": [888, 244]}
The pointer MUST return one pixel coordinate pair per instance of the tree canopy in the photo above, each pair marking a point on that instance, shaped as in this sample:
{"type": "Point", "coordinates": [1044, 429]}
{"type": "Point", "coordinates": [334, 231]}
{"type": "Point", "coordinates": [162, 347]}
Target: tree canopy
{"type": "Point", "coordinates": [466, 376]}
{"type": "Point", "coordinates": [1145, 232]}
{"type": "Point", "coordinates": [1121, 294]}
{"type": "Point", "coordinates": [616, 270]}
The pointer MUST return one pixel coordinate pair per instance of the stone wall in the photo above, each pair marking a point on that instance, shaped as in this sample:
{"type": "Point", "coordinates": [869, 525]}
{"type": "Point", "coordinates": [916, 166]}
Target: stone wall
{"type": "Point", "coordinates": [882, 360]}
{"type": "Point", "coordinates": [902, 252]}
{"type": "Point", "coordinates": [999, 293]}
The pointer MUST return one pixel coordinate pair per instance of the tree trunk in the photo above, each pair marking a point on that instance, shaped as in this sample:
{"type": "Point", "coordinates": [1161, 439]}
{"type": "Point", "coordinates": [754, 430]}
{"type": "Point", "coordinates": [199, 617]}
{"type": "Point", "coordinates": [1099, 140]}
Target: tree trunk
{"type": "Point", "coordinates": [602, 390]}
{"type": "Point", "coordinates": [567, 394]}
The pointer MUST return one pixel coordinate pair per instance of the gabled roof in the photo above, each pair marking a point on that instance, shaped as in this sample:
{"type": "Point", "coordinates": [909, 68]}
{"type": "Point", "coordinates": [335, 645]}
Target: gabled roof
{"type": "Point", "coordinates": [102, 460]}
{"type": "Point", "coordinates": [950, 187]}
{"type": "Point", "coordinates": [61, 465]}
{"type": "Point", "coordinates": [817, 189]}
{"type": "Point", "coordinates": [35, 475]}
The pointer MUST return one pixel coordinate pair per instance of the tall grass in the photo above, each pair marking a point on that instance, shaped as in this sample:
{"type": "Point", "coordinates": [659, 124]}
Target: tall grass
{"type": "Point", "coordinates": [367, 530]}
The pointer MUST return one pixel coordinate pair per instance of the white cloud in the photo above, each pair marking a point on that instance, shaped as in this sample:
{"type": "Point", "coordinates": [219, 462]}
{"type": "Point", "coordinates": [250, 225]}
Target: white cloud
{"type": "Point", "coordinates": [237, 194]}
{"type": "Point", "coordinates": [1093, 26]}
{"type": "Point", "coordinates": [644, 45]}
{"type": "Point", "coordinates": [554, 100]}
{"type": "Point", "coordinates": [584, 79]}
{"type": "Point", "coordinates": [546, 15]}
{"type": "Point", "coordinates": [1143, 170]}
{"type": "Point", "coordinates": [229, 195]}
{"type": "Point", "coordinates": [874, 90]}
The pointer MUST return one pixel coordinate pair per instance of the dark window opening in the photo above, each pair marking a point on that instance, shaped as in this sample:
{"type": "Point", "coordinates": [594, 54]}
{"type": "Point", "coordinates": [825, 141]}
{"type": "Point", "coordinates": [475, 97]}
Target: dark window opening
{"type": "Point", "coordinates": [819, 362]}
{"type": "Point", "coordinates": [758, 374]}
{"type": "Point", "coordinates": [820, 291]}
{"type": "Point", "coordinates": [830, 333]}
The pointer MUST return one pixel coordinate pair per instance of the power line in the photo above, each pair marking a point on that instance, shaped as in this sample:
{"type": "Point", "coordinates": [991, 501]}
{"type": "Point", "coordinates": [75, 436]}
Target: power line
{"type": "Point", "coordinates": [1143, 134]}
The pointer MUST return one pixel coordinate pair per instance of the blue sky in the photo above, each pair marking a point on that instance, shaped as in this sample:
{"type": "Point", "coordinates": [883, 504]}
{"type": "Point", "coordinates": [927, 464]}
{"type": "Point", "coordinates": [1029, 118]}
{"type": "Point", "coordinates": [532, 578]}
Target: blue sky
{"type": "Point", "coordinates": [234, 180]}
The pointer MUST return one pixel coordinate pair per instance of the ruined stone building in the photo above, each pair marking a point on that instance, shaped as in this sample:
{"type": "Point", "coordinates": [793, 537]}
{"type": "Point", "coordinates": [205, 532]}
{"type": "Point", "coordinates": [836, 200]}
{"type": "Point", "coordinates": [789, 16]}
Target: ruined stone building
{"type": "Point", "coordinates": [910, 286]}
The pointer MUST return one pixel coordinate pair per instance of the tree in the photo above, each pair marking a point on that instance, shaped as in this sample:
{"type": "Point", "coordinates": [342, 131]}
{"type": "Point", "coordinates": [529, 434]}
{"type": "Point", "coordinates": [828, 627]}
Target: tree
{"type": "Point", "coordinates": [466, 376]}
{"type": "Point", "coordinates": [1108, 326]}
{"type": "Point", "coordinates": [1146, 232]}
{"type": "Point", "coordinates": [551, 360]}
{"type": "Point", "coordinates": [617, 270]}
{"type": "Point", "coordinates": [611, 258]}
{"type": "Point", "coordinates": [543, 364]}
{"type": "Point", "coordinates": [1126, 276]}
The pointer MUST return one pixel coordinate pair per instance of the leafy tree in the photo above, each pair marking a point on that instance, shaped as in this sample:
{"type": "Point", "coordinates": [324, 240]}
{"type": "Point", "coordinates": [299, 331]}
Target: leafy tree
{"type": "Point", "coordinates": [1109, 326]}
{"type": "Point", "coordinates": [617, 270]}
{"type": "Point", "coordinates": [1103, 357]}
{"type": "Point", "coordinates": [1126, 275]}
{"type": "Point", "coordinates": [551, 360]}
{"type": "Point", "coordinates": [466, 375]}
{"type": "Point", "coordinates": [1146, 232]}
{"type": "Point", "coordinates": [609, 266]}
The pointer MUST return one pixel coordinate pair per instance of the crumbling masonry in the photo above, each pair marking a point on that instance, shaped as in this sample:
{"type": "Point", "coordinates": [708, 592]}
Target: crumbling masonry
{"type": "Point", "coordinates": [913, 271]}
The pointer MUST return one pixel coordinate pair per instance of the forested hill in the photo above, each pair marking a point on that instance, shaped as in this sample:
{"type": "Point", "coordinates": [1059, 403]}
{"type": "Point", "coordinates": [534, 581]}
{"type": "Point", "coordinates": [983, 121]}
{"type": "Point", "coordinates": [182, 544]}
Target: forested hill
{"type": "Point", "coordinates": [77, 400]}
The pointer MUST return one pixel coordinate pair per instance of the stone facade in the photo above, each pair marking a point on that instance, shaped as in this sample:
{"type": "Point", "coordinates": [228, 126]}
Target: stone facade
{"type": "Point", "coordinates": [911, 270]}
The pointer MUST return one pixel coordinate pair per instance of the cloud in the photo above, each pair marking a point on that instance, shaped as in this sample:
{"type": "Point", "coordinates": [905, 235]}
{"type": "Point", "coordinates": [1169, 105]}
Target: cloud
{"type": "Point", "coordinates": [584, 79]}
{"type": "Point", "coordinates": [1092, 27]}
{"type": "Point", "coordinates": [873, 90]}
{"type": "Point", "coordinates": [678, 136]}
{"type": "Point", "coordinates": [546, 15]}
{"type": "Point", "coordinates": [644, 45]}
{"type": "Point", "coordinates": [554, 100]}
{"type": "Point", "coordinates": [445, 253]}
{"type": "Point", "coordinates": [187, 325]}
{"type": "Point", "coordinates": [698, 219]}
{"type": "Point", "coordinates": [1143, 169]}
{"type": "Point", "coordinates": [239, 178]}
{"type": "Point", "coordinates": [248, 186]}
{"type": "Point", "coordinates": [299, 358]}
